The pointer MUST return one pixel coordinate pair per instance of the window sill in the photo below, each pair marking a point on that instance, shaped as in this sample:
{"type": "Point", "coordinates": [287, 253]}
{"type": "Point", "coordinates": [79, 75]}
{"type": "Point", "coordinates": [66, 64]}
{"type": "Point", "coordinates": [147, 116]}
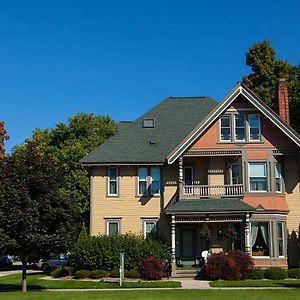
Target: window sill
{"type": "Point", "coordinates": [112, 196]}
{"type": "Point", "coordinates": [148, 196]}
{"type": "Point", "coordinates": [240, 142]}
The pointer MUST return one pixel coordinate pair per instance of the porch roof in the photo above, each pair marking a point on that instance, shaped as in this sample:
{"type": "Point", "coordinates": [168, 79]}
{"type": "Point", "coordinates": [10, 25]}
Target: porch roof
{"type": "Point", "coordinates": [209, 205]}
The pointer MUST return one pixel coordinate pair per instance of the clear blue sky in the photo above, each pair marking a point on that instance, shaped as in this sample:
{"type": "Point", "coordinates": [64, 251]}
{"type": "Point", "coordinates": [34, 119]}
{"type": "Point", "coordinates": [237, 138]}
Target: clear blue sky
{"type": "Point", "coordinates": [122, 57]}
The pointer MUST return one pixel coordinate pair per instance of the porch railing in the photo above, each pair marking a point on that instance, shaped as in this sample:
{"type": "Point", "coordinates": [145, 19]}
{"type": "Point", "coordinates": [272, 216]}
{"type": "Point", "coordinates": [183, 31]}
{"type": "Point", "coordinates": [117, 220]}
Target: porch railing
{"type": "Point", "coordinates": [204, 191]}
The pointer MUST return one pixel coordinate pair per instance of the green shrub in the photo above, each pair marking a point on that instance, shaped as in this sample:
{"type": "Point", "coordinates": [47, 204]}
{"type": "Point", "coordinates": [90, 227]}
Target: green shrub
{"type": "Point", "coordinates": [115, 273]}
{"type": "Point", "coordinates": [276, 273]}
{"type": "Point", "coordinates": [103, 251]}
{"type": "Point", "coordinates": [256, 274]}
{"type": "Point", "coordinates": [97, 274]}
{"type": "Point", "coordinates": [81, 274]}
{"type": "Point", "coordinates": [294, 273]}
{"type": "Point", "coordinates": [133, 273]}
{"type": "Point", "coordinates": [59, 272]}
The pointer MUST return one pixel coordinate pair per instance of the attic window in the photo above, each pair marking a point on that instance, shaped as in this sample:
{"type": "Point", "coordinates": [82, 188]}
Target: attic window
{"type": "Point", "coordinates": [148, 123]}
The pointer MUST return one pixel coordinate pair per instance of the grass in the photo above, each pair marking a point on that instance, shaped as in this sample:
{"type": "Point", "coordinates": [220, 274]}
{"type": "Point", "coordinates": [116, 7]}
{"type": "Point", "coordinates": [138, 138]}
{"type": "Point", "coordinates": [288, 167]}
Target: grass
{"type": "Point", "coordinates": [34, 282]}
{"type": "Point", "coordinates": [256, 283]}
{"type": "Point", "coordinates": [292, 294]}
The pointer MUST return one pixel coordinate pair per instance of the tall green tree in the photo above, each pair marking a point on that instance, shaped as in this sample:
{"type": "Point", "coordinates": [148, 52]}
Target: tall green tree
{"type": "Point", "coordinates": [266, 70]}
{"type": "Point", "coordinates": [3, 137]}
{"type": "Point", "coordinates": [36, 216]}
{"type": "Point", "coordinates": [68, 143]}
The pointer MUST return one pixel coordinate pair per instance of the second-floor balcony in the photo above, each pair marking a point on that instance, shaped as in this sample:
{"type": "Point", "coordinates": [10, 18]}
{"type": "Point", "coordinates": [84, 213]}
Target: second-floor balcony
{"type": "Point", "coordinates": [205, 191]}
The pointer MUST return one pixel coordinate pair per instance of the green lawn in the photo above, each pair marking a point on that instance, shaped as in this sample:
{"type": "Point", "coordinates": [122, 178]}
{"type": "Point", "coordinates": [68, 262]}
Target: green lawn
{"type": "Point", "coordinates": [292, 294]}
{"type": "Point", "coordinates": [34, 282]}
{"type": "Point", "coordinates": [256, 283]}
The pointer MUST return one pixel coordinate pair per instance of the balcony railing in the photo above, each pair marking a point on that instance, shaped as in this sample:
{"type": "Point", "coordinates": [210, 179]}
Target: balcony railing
{"type": "Point", "coordinates": [205, 191]}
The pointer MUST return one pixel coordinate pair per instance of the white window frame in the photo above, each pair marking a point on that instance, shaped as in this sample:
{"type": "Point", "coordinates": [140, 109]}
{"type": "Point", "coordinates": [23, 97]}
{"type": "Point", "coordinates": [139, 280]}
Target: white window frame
{"type": "Point", "coordinates": [230, 129]}
{"type": "Point", "coordinates": [238, 127]}
{"type": "Point", "coordinates": [151, 181]}
{"type": "Point", "coordinates": [142, 180]}
{"type": "Point", "coordinates": [280, 239]}
{"type": "Point", "coordinates": [266, 176]}
{"type": "Point", "coordinates": [249, 128]}
{"type": "Point", "coordinates": [116, 181]}
{"type": "Point", "coordinates": [148, 181]}
{"type": "Point", "coordinates": [145, 222]}
{"type": "Point", "coordinates": [115, 221]}
{"type": "Point", "coordinates": [278, 177]}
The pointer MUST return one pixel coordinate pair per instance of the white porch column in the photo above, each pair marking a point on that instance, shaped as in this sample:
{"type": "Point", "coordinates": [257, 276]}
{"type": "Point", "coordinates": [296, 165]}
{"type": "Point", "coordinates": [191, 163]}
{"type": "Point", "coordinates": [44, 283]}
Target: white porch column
{"type": "Point", "coordinates": [173, 244]}
{"type": "Point", "coordinates": [247, 234]}
{"type": "Point", "coordinates": [180, 175]}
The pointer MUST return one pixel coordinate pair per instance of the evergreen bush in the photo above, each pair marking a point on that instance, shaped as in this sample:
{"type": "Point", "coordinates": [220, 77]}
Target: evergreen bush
{"type": "Point", "coordinates": [97, 274]}
{"type": "Point", "coordinates": [294, 273]}
{"type": "Point", "coordinates": [133, 273]}
{"type": "Point", "coordinates": [256, 274]}
{"type": "Point", "coordinates": [59, 272]}
{"type": "Point", "coordinates": [82, 274]}
{"type": "Point", "coordinates": [114, 273]}
{"type": "Point", "coordinates": [276, 273]}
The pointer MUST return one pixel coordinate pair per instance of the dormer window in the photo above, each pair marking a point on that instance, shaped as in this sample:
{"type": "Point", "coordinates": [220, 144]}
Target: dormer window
{"type": "Point", "coordinates": [148, 123]}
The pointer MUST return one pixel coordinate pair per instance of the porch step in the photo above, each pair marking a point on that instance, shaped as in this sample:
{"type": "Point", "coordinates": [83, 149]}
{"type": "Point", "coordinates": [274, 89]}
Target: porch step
{"type": "Point", "coordinates": [186, 272]}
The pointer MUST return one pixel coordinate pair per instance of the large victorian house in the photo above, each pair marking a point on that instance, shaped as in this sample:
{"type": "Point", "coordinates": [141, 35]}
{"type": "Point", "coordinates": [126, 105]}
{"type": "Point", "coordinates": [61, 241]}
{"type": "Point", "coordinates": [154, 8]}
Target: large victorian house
{"type": "Point", "coordinates": [204, 176]}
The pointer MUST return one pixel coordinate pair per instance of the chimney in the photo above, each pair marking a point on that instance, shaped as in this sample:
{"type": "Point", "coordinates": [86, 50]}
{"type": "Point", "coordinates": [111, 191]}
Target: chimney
{"type": "Point", "coordinates": [282, 101]}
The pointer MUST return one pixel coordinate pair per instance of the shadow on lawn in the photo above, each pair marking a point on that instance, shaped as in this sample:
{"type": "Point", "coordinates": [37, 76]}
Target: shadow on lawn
{"type": "Point", "coordinates": [7, 287]}
{"type": "Point", "coordinates": [290, 284]}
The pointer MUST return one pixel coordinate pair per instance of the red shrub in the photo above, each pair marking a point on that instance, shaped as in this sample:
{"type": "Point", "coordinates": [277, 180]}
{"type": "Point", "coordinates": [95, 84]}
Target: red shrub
{"type": "Point", "coordinates": [151, 268]}
{"type": "Point", "coordinates": [221, 266]}
{"type": "Point", "coordinates": [243, 261]}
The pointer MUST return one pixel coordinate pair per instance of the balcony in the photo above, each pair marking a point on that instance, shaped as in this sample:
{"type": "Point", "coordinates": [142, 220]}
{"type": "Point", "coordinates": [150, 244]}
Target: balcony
{"type": "Point", "coordinates": [205, 191]}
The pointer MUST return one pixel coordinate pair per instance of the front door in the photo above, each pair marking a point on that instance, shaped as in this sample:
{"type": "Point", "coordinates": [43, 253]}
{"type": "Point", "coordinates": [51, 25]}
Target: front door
{"type": "Point", "coordinates": [187, 244]}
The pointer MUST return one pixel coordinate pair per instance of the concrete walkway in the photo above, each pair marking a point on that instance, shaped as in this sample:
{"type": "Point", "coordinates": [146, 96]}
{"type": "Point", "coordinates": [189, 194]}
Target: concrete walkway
{"type": "Point", "coordinates": [187, 283]}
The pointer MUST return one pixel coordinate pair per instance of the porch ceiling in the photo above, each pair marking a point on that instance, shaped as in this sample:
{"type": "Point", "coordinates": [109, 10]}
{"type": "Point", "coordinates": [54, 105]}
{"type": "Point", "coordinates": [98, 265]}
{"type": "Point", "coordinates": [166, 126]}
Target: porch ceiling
{"type": "Point", "coordinates": [219, 205]}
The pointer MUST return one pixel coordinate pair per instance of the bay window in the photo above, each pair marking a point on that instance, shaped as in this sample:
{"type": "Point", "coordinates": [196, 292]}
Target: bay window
{"type": "Point", "coordinates": [280, 238]}
{"type": "Point", "coordinates": [257, 176]}
{"type": "Point", "coordinates": [278, 178]}
{"type": "Point", "coordinates": [260, 242]}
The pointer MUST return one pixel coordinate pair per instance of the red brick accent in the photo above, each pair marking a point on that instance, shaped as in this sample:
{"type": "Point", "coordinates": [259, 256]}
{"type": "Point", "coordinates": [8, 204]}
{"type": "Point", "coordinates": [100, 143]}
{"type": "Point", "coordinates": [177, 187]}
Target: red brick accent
{"type": "Point", "coordinates": [282, 101]}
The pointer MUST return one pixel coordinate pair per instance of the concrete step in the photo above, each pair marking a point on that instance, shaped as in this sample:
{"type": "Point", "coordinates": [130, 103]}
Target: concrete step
{"type": "Point", "coordinates": [186, 272]}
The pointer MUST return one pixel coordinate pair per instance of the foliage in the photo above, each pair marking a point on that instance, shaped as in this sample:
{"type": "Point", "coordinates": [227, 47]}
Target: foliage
{"type": "Point", "coordinates": [36, 216]}
{"type": "Point", "coordinates": [133, 273]}
{"type": "Point", "coordinates": [276, 273]}
{"type": "Point", "coordinates": [221, 266]}
{"type": "Point", "coordinates": [81, 274]}
{"type": "Point", "coordinates": [234, 265]}
{"type": "Point", "coordinates": [68, 143]}
{"type": "Point", "coordinates": [205, 232]}
{"type": "Point", "coordinates": [114, 273]}
{"type": "Point", "coordinates": [256, 274]}
{"type": "Point", "coordinates": [3, 137]}
{"type": "Point", "coordinates": [59, 272]}
{"type": "Point", "coordinates": [266, 70]}
{"type": "Point", "coordinates": [294, 273]}
{"type": "Point", "coordinates": [151, 268]}
{"type": "Point", "coordinates": [103, 252]}
{"type": "Point", "coordinates": [244, 262]}
{"type": "Point", "coordinates": [96, 274]}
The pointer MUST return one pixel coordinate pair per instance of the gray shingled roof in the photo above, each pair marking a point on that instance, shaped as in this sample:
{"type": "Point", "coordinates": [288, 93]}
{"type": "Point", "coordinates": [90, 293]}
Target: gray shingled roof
{"type": "Point", "coordinates": [175, 117]}
{"type": "Point", "coordinates": [209, 205]}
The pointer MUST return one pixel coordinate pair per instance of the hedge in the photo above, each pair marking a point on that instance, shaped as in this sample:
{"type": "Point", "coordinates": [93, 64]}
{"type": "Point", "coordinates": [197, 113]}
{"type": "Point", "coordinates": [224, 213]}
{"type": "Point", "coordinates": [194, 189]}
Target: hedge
{"type": "Point", "coordinates": [103, 251]}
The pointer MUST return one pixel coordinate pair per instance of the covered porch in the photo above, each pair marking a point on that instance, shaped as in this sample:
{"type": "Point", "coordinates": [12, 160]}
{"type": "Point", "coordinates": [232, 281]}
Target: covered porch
{"type": "Point", "coordinates": [206, 226]}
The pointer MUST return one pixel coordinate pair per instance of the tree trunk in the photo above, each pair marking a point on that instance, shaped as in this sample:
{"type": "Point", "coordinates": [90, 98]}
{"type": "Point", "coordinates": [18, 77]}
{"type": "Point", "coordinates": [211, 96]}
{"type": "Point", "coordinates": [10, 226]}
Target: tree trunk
{"type": "Point", "coordinates": [24, 272]}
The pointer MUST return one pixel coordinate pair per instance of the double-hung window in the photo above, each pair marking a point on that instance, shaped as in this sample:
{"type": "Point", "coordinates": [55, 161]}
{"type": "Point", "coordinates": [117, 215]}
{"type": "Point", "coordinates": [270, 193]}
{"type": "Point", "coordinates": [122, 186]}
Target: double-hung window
{"type": "Point", "coordinates": [258, 180]}
{"type": "Point", "coordinates": [112, 181]}
{"type": "Point", "coordinates": [280, 238]}
{"type": "Point", "coordinates": [142, 181]}
{"type": "Point", "coordinates": [278, 178]}
{"type": "Point", "coordinates": [148, 181]}
{"type": "Point", "coordinates": [112, 226]}
{"type": "Point", "coordinates": [239, 122]}
{"type": "Point", "coordinates": [225, 128]}
{"type": "Point", "coordinates": [149, 228]}
{"type": "Point", "coordinates": [254, 127]}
